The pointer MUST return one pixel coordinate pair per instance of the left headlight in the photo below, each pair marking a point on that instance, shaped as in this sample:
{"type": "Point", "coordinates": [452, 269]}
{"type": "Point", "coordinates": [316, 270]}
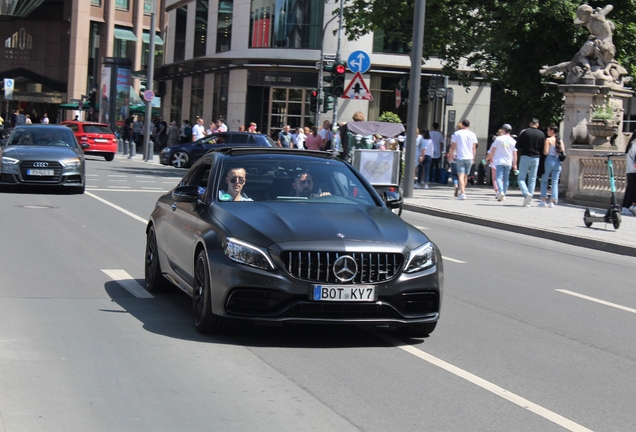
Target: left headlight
{"type": "Point", "coordinates": [248, 254]}
{"type": "Point", "coordinates": [9, 160]}
{"type": "Point", "coordinates": [421, 258]}
{"type": "Point", "coordinates": [73, 162]}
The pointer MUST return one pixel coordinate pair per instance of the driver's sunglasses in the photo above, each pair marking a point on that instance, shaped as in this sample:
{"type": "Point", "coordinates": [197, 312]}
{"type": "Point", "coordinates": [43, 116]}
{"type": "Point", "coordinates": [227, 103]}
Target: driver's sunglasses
{"type": "Point", "coordinates": [240, 180]}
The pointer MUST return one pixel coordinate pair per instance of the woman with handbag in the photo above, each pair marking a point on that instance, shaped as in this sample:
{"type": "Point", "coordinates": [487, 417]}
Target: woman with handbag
{"type": "Point", "coordinates": [554, 151]}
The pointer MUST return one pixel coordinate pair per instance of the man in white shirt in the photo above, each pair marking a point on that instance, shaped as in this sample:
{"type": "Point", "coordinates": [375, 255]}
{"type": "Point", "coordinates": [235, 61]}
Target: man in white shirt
{"type": "Point", "coordinates": [503, 153]}
{"type": "Point", "coordinates": [198, 131]}
{"type": "Point", "coordinates": [325, 135]}
{"type": "Point", "coordinates": [438, 145]}
{"type": "Point", "coordinates": [464, 142]}
{"type": "Point", "coordinates": [220, 126]}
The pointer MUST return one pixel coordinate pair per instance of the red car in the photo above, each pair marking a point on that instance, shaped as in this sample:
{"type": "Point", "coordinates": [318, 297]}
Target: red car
{"type": "Point", "coordinates": [100, 139]}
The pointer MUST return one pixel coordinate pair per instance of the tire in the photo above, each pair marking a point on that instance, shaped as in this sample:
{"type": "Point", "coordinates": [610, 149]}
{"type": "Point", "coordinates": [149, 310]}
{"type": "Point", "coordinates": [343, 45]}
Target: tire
{"type": "Point", "coordinates": [417, 330]}
{"type": "Point", "coordinates": [204, 320]}
{"type": "Point", "coordinates": [585, 216]}
{"type": "Point", "coordinates": [155, 282]}
{"type": "Point", "coordinates": [109, 157]}
{"type": "Point", "coordinates": [180, 159]}
{"type": "Point", "coordinates": [616, 219]}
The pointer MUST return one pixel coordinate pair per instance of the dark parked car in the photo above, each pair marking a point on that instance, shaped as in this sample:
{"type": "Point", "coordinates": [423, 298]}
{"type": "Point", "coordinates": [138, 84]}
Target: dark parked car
{"type": "Point", "coordinates": [280, 235]}
{"type": "Point", "coordinates": [184, 155]}
{"type": "Point", "coordinates": [43, 155]}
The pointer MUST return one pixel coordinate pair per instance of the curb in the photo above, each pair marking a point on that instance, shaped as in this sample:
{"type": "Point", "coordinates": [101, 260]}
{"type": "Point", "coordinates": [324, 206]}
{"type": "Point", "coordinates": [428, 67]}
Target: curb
{"type": "Point", "coordinates": [535, 232]}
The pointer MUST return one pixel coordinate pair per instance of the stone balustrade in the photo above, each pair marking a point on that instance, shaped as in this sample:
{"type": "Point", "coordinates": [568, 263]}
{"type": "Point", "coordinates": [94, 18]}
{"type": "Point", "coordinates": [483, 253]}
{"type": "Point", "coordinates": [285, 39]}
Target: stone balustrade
{"type": "Point", "coordinates": [588, 181]}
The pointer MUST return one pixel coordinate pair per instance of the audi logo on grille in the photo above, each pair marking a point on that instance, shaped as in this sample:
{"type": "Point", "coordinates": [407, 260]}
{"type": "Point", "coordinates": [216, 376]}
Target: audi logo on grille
{"type": "Point", "coordinates": [40, 164]}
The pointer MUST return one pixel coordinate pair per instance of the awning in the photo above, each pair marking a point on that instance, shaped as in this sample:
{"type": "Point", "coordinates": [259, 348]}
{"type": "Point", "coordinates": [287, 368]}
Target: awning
{"type": "Point", "coordinates": [146, 38]}
{"type": "Point", "coordinates": [75, 106]}
{"type": "Point", "coordinates": [124, 34]}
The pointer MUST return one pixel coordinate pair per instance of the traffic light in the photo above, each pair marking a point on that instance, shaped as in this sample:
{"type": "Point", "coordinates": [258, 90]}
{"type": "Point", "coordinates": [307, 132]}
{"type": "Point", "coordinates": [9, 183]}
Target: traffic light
{"type": "Point", "coordinates": [314, 104]}
{"type": "Point", "coordinates": [328, 101]}
{"type": "Point", "coordinates": [338, 77]}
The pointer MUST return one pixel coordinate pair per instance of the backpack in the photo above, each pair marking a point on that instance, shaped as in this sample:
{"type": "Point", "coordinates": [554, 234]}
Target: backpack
{"type": "Point", "coordinates": [187, 131]}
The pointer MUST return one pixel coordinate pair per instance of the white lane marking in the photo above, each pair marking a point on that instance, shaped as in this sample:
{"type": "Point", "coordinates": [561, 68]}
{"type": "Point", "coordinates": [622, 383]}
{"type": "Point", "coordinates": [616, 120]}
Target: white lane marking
{"type": "Point", "coordinates": [421, 228]}
{"type": "Point", "coordinates": [117, 175]}
{"type": "Point", "coordinates": [91, 175]}
{"type": "Point", "coordinates": [486, 385]}
{"type": "Point", "coordinates": [603, 302]}
{"type": "Point", "coordinates": [128, 190]}
{"type": "Point", "coordinates": [172, 178]}
{"type": "Point", "coordinates": [151, 188]}
{"type": "Point", "coordinates": [116, 207]}
{"type": "Point", "coordinates": [121, 181]}
{"type": "Point", "coordinates": [119, 187]}
{"type": "Point", "coordinates": [146, 181]}
{"type": "Point", "coordinates": [130, 284]}
{"type": "Point", "coordinates": [168, 183]}
{"type": "Point", "coordinates": [453, 260]}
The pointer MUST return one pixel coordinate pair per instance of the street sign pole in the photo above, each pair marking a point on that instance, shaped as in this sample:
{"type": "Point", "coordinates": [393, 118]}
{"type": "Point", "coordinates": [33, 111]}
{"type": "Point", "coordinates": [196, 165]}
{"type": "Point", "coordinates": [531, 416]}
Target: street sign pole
{"type": "Point", "coordinates": [334, 119]}
{"type": "Point", "coordinates": [148, 149]}
{"type": "Point", "coordinates": [414, 92]}
{"type": "Point", "coordinates": [320, 71]}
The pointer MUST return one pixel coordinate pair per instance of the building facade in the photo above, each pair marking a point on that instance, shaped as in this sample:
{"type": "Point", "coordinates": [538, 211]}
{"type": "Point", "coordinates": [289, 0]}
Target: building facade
{"type": "Point", "coordinates": [255, 61]}
{"type": "Point", "coordinates": [54, 53]}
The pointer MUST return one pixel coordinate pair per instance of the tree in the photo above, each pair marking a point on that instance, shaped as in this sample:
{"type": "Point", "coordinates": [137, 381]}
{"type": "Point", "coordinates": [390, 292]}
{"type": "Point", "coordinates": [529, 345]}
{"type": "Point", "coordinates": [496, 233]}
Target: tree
{"type": "Point", "coordinates": [504, 42]}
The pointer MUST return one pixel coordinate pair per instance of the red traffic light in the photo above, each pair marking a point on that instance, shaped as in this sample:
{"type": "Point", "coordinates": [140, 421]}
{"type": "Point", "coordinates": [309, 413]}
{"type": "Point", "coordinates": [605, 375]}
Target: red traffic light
{"type": "Point", "coordinates": [340, 69]}
{"type": "Point", "coordinates": [314, 93]}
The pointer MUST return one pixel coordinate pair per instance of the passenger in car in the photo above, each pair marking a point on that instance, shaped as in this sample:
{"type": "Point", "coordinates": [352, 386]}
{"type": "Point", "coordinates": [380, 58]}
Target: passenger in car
{"type": "Point", "coordinates": [304, 186]}
{"type": "Point", "coordinates": [235, 181]}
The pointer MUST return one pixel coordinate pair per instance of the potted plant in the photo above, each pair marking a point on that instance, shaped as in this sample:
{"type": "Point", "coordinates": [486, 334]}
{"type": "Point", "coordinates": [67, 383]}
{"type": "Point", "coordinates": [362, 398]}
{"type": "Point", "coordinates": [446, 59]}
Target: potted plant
{"type": "Point", "coordinates": [603, 124]}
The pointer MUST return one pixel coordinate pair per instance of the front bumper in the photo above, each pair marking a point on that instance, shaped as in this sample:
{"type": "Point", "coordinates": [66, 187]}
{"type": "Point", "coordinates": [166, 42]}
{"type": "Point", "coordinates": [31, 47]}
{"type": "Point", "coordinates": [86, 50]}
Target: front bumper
{"type": "Point", "coordinates": [18, 174]}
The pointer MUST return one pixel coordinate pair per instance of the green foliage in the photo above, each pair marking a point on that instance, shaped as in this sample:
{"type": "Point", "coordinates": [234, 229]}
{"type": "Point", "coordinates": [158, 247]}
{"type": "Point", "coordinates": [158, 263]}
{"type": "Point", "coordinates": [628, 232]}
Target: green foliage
{"type": "Point", "coordinates": [505, 43]}
{"type": "Point", "coordinates": [603, 112]}
{"type": "Point", "coordinates": [389, 117]}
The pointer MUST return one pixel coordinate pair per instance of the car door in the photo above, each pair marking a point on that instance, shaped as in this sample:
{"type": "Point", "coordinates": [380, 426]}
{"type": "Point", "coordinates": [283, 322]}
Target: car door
{"type": "Point", "coordinates": [180, 234]}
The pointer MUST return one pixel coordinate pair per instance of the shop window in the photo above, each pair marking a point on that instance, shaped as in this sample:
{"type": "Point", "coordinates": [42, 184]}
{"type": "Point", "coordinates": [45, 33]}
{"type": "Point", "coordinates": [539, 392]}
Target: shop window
{"type": "Point", "coordinates": [177, 99]}
{"type": "Point", "coordinates": [148, 7]}
{"type": "Point", "coordinates": [201, 28]}
{"type": "Point", "coordinates": [224, 26]}
{"type": "Point", "coordinates": [196, 101]}
{"type": "Point", "coordinates": [219, 103]}
{"type": "Point", "coordinates": [96, 3]}
{"type": "Point", "coordinates": [181, 22]}
{"type": "Point", "coordinates": [286, 24]}
{"type": "Point", "coordinates": [289, 106]}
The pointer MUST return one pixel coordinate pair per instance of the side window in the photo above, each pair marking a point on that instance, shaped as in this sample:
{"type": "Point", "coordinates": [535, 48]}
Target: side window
{"type": "Point", "coordinates": [73, 127]}
{"type": "Point", "coordinates": [200, 178]}
{"type": "Point", "coordinates": [239, 138]}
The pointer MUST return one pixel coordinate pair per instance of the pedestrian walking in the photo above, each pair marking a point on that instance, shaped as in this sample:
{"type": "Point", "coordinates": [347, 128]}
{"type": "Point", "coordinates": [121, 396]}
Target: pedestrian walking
{"type": "Point", "coordinates": [629, 200]}
{"type": "Point", "coordinates": [198, 130]}
{"type": "Point", "coordinates": [173, 133]}
{"type": "Point", "coordinates": [45, 119]}
{"type": "Point", "coordinates": [504, 156]}
{"type": "Point", "coordinates": [428, 151]}
{"type": "Point", "coordinates": [464, 142]}
{"type": "Point", "coordinates": [552, 168]}
{"type": "Point", "coordinates": [530, 147]}
{"type": "Point", "coordinates": [284, 137]}
{"type": "Point", "coordinates": [419, 158]}
{"type": "Point", "coordinates": [438, 148]}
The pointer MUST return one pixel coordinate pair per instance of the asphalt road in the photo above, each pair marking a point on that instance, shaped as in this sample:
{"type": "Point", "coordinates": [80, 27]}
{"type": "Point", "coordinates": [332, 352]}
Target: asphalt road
{"type": "Point", "coordinates": [534, 335]}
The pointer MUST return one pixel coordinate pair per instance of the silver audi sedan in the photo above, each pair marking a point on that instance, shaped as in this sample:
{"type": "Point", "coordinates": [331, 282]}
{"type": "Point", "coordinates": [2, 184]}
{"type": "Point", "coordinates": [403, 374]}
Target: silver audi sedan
{"type": "Point", "coordinates": [43, 155]}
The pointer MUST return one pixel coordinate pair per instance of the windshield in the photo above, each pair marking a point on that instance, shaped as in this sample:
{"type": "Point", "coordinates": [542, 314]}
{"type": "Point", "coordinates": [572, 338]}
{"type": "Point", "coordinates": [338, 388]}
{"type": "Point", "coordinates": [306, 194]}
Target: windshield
{"type": "Point", "coordinates": [289, 178]}
{"type": "Point", "coordinates": [97, 129]}
{"type": "Point", "coordinates": [53, 137]}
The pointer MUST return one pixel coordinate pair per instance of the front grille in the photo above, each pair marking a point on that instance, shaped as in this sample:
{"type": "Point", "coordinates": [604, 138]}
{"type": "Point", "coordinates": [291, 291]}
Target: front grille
{"type": "Point", "coordinates": [317, 267]}
{"type": "Point", "coordinates": [27, 165]}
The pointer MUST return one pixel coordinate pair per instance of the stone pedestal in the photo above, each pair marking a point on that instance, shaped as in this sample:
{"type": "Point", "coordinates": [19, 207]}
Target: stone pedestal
{"type": "Point", "coordinates": [580, 100]}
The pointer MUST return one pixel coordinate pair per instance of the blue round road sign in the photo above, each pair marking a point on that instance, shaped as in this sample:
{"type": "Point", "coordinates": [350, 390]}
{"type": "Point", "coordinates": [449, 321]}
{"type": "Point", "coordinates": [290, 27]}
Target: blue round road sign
{"type": "Point", "coordinates": [359, 61]}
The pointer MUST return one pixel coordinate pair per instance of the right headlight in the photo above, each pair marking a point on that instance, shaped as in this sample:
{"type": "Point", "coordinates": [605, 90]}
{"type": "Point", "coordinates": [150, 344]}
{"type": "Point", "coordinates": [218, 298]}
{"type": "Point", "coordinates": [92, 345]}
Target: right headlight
{"type": "Point", "coordinates": [421, 258]}
{"type": "Point", "coordinates": [248, 254]}
{"type": "Point", "coordinates": [9, 161]}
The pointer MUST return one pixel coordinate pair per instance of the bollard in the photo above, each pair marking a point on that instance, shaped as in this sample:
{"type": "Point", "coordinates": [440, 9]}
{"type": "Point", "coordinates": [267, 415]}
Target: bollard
{"type": "Point", "coordinates": [125, 149]}
{"type": "Point", "coordinates": [133, 149]}
{"type": "Point", "coordinates": [120, 146]}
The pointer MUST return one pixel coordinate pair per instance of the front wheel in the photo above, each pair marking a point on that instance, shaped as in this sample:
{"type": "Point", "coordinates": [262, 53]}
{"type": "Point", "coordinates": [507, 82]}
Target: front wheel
{"type": "Point", "coordinates": [204, 320]}
{"type": "Point", "coordinates": [417, 330]}
{"type": "Point", "coordinates": [585, 216]}
{"type": "Point", "coordinates": [180, 159]}
{"type": "Point", "coordinates": [109, 157]}
{"type": "Point", "coordinates": [616, 219]}
{"type": "Point", "coordinates": [155, 282]}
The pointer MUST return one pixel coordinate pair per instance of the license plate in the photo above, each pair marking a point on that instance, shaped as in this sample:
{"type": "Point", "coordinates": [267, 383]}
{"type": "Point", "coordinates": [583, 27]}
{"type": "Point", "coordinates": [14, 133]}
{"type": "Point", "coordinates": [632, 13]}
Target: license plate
{"type": "Point", "coordinates": [40, 172]}
{"type": "Point", "coordinates": [351, 293]}
{"type": "Point", "coordinates": [100, 140]}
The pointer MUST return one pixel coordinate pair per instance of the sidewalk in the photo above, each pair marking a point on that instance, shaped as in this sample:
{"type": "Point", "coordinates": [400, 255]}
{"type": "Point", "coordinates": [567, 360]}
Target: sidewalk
{"type": "Point", "coordinates": [563, 223]}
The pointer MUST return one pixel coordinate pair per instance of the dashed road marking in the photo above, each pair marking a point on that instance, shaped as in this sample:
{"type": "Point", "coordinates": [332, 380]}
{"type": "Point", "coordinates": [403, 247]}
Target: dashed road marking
{"type": "Point", "coordinates": [486, 385]}
{"type": "Point", "coordinates": [116, 207]}
{"type": "Point", "coordinates": [119, 187]}
{"type": "Point", "coordinates": [599, 301]}
{"type": "Point", "coordinates": [151, 188]}
{"type": "Point", "coordinates": [117, 175]}
{"type": "Point", "coordinates": [453, 260]}
{"type": "Point", "coordinates": [130, 284]}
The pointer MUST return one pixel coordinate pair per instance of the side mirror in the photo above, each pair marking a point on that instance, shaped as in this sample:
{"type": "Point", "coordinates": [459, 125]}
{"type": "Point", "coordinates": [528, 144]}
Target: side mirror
{"type": "Point", "coordinates": [85, 146]}
{"type": "Point", "coordinates": [393, 199]}
{"type": "Point", "coordinates": [187, 193]}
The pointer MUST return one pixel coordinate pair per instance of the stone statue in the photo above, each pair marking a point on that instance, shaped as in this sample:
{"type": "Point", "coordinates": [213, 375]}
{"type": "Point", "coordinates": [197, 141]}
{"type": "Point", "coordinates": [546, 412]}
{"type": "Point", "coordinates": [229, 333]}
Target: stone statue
{"type": "Point", "coordinates": [595, 60]}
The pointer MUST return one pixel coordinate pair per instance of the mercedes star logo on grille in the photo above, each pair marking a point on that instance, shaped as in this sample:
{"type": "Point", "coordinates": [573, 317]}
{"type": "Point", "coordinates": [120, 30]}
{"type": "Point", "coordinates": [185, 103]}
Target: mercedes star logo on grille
{"type": "Point", "coordinates": [40, 164]}
{"type": "Point", "coordinates": [345, 268]}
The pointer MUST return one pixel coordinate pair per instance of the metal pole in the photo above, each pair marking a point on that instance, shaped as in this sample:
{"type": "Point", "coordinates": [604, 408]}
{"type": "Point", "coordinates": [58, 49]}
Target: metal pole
{"type": "Point", "coordinates": [443, 125]}
{"type": "Point", "coordinates": [320, 86]}
{"type": "Point", "coordinates": [334, 119]}
{"type": "Point", "coordinates": [148, 149]}
{"type": "Point", "coordinates": [414, 93]}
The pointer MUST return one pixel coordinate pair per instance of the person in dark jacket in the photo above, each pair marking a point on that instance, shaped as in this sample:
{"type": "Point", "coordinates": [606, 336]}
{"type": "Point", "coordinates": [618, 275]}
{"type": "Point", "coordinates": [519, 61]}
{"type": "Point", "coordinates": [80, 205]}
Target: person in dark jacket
{"type": "Point", "coordinates": [529, 147]}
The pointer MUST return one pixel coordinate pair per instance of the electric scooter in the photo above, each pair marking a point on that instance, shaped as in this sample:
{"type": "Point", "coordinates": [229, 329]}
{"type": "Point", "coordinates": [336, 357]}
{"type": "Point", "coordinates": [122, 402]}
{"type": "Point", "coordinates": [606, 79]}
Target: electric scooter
{"type": "Point", "coordinates": [613, 213]}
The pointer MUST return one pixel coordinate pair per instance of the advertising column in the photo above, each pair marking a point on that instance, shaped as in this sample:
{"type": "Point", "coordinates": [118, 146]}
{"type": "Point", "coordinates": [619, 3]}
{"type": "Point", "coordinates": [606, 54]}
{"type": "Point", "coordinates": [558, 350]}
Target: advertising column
{"type": "Point", "coordinates": [115, 91]}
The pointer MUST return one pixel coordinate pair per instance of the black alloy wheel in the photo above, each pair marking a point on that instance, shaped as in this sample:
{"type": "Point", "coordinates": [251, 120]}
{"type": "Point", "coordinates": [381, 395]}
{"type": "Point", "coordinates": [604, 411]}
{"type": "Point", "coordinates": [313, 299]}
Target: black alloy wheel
{"type": "Point", "coordinates": [155, 282]}
{"type": "Point", "coordinates": [204, 320]}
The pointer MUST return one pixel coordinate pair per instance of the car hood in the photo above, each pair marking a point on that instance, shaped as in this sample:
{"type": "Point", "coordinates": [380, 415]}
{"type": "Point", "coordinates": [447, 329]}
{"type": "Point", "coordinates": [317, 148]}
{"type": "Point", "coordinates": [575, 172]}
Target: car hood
{"type": "Point", "coordinates": [39, 152]}
{"type": "Point", "coordinates": [267, 223]}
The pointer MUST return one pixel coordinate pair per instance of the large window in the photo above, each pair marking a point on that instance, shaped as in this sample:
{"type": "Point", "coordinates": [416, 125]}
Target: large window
{"type": "Point", "coordinates": [148, 6]}
{"type": "Point", "coordinates": [388, 42]}
{"type": "Point", "coordinates": [96, 2]}
{"type": "Point", "coordinates": [224, 26]}
{"type": "Point", "coordinates": [219, 103]}
{"type": "Point", "coordinates": [290, 106]}
{"type": "Point", "coordinates": [286, 23]}
{"type": "Point", "coordinates": [176, 100]}
{"type": "Point", "coordinates": [196, 101]}
{"type": "Point", "coordinates": [201, 28]}
{"type": "Point", "coordinates": [181, 23]}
